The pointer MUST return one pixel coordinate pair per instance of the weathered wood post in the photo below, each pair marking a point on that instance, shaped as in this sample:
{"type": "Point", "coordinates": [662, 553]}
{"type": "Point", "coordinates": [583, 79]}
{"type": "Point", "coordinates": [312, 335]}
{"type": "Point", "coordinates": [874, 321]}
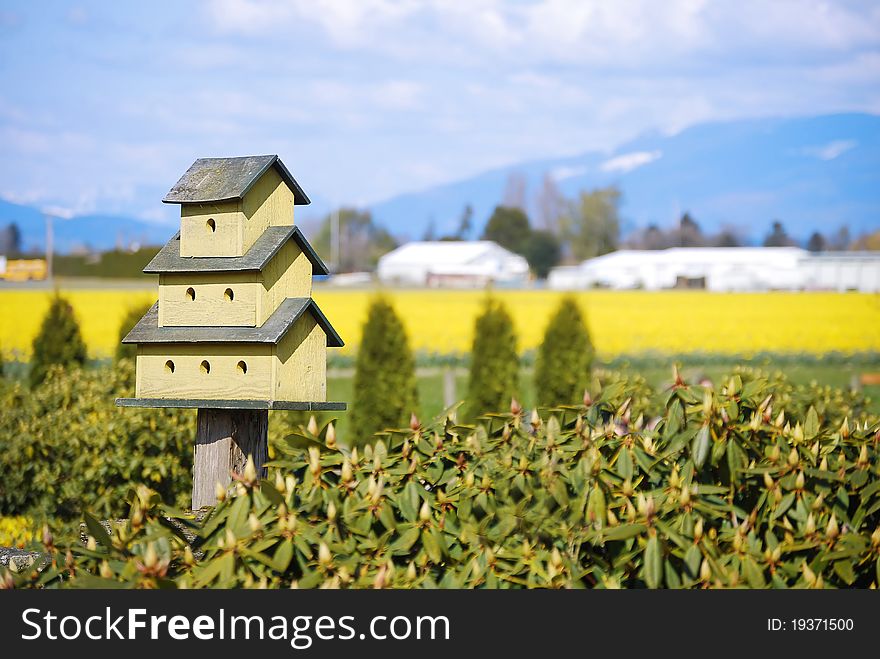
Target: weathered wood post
{"type": "Point", "coordinates": [235, 332]}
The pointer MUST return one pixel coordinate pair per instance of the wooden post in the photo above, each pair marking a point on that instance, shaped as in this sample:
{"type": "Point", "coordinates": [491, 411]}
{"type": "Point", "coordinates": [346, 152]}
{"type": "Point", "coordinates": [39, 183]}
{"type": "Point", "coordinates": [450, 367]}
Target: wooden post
{"type": "Point", "coordinates": [224, 440]}
{"type": "Point", "coordinates": [449, 398]}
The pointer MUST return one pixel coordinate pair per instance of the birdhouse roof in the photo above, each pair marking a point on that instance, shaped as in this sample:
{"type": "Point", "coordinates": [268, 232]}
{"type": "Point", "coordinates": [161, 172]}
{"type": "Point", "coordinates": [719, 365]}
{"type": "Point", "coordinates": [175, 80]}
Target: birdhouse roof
{"type": "Point", "coordinates": [272, 331]}
{"type": "Point", "coordinates": [169, 260]}
{"type": "Point", "coordinates": [227, 179]}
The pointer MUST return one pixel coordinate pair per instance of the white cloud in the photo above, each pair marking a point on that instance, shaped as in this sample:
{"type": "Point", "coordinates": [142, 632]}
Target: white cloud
{"type": "Point", "coordinates": [562, 173]}
{"type": "Point", "coordinates": [831, 150]}
{"type": "Point", "coordinates": [629, 161]}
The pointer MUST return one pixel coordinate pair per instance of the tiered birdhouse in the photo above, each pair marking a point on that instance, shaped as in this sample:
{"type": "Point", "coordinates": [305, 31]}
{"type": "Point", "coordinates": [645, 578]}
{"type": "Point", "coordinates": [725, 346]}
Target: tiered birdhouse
{"type": "Point", "coordinates": [235, 325]}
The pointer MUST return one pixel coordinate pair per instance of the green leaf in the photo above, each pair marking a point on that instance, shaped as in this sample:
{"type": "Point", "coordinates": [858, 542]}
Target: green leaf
{"type": "Point", "coordinates": [700, 447]}
{"type": "Point", "coordinates": [811, 425]}
{"type": "Point", "coordinates": [405, 542]}
{"type": "Point", "coordinates": [844, 570]}
{"type": "Point", "coordinates": [754, 574]}
{"type": "Point", "coordinates": [97, 531]}
{"type": "Point", "coordinates": [623, 532]}
{"type": "Point", "coordinates": [653, 569]}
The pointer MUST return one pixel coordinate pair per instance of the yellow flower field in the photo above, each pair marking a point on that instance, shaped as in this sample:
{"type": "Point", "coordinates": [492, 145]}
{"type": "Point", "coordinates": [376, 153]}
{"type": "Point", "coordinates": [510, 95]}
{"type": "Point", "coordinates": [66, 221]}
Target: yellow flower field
{"type": "Point", "coordinates": [621, 322]}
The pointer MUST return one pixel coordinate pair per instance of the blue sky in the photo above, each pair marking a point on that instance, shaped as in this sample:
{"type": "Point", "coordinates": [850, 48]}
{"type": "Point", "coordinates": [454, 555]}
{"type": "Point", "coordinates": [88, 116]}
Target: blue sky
{"type": "Point", "coordinates": [104, 105]}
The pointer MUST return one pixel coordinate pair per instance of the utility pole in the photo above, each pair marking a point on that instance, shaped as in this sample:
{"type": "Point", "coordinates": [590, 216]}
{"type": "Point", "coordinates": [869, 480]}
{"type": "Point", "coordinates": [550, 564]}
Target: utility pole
{"type": "Point", "coordinates": [49, 246]}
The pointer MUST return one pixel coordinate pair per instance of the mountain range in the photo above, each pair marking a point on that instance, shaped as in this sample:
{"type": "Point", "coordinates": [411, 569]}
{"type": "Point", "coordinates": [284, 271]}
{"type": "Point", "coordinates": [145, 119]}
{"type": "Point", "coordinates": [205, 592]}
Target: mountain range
{"type": "Point", "coordinates": [811, 173]}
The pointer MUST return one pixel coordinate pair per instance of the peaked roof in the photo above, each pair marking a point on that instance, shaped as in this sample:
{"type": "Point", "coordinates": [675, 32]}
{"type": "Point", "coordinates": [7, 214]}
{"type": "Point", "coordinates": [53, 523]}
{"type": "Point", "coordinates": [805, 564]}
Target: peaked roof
{"type": "Point", "coordinates": [255, 259]}
{"type": "Point", "coordinates": [272, 331]}
{"type": "Point", "coordinates": [227, 179]}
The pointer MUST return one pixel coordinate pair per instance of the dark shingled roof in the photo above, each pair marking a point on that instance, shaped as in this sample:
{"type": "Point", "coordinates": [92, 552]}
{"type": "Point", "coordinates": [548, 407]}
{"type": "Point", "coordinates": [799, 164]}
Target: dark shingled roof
{"type": "Point", "coordinates": [227, 179]}
{"type": "Point", "coordinates": [169, 260]}
{"type": "Point", "coordinates": [272, 331]}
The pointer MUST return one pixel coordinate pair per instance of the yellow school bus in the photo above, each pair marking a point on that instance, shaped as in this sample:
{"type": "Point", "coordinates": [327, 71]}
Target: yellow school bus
{"type": "Point", "coordinates": [24, 270]}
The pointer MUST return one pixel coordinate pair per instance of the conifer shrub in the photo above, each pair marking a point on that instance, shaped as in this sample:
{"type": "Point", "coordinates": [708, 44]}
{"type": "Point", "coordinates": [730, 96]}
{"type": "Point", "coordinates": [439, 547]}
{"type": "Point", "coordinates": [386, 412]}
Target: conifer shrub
{"type": "Point", "coordinates": [562, 365]}
{"type": "Point", "coordinates": [385, 393]}
{"type": "Point", "coordinates": [494, 361]}
{"type": "Point", "coordinates": [58, 342]}
{"type": "Point", "coordinates": [132, 316]}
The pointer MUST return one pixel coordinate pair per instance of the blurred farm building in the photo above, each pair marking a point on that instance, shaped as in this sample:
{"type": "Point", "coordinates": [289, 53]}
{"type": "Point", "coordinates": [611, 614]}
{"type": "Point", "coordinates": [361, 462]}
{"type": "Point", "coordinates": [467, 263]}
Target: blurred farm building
{"type": "Point", "coordinates": [463, 264]}
{"type": "Point", "coordinates": [724, 269]}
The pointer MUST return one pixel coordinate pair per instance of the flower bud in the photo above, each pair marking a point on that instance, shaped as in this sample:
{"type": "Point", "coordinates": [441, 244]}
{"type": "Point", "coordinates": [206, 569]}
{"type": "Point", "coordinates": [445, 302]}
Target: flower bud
{"type": "Point", "coordinates": [685, 496]}
{"type": "Point", "coordinates": [91, 545]}
{"type": "Point", "coordinates": [150, 557]}
{"type": "Point", "coordinates": [347, 474]}
{"type": "Point", "coordinates": [698, 529]}
{"type": "Point", "coordinates": [411, 572]}
{"type": "Point", "coordinates": [289, 483]}
{"type": "Point", "coordinates": [312, 426]}
{"type": "Point", "coordinates": [254, 523]}
{"type": "Point", "coordinates": [331, 512]}
{"type": "Point", "coordinates": [230, 539]}
{"type": "Point", "coordinates": [219, 492]}
{"type": "Point", "coordinates": [775, 454]}
{"type": "Point", "coordinates": [863, 457]}
{"type": "Point", "coordinates": [798, 433]}
{"type": "Point", "coordinates": [279, 482]}
{"type": "Point", "coordinates": [810, 527]}
{"type": "Point", "coordinates": [515, 407]}
{"type": "Point", "coordinates": [705, 571]}
{"type": "Point", "coordinates": [188, 557]}
{"type": "Point", "coordinates": [314, 460]}
{"type": "Point", "coordinates": [768, 481]}
{"type": "Point", "coordinates": [249, 476]}
{"type": "Point", "coordinates": [824, 464]}
{"type": "Point", "coordinates": [105, 570]}
{"type": "Point", "coordinates": [832, 530]}
{"type": "Point", "coordinates": [469, 479]}
{"type": "Point", "coordinates": [799, 481]}
{"type": "Point", "coordinates": [556, 558]}
{"type": "Point", "coordinates": [535, 420]}
{"type": "Point", "coordinates": [793, 457]}
{"type": "Point", "coordinates": [809, 575]}
{"type": "Point", "coordinates": [330, 436]}
{"type": "Point", "coordinates": [324, 556]}
{"type": "Point", "coordinates": [425, 512]}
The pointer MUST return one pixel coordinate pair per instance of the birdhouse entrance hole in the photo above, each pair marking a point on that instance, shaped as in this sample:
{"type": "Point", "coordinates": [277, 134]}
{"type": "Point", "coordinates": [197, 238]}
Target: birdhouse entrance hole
{"type": "Point", "coordinates": [212, 225]}
{"type": "Point", "coordinates": [169, 366]}
{"type": "Point", "coordinates": [242, 367]}
{"type": "Point", "coordinates": [229, 295]}
{"type": "Point", "coordinates": [205, 366]}
{"type": "Point", "coordinates": [191, 294]}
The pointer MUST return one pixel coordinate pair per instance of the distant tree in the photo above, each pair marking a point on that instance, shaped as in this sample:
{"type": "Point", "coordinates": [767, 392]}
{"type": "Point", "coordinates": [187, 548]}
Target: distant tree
{"type": "Point", "coordinates": [58, 342]}
{"type": "Point", "coordinates": [509, 227]}
{"type": "Point", "coordinates": [562, 366]}
{"type": "Point", "coordinates": [816, 243]}
{"type": "Point", "coordinates": [841, 240]}
{"type": "Point", "coordinates": [551, 205]}
{"type": "Point", "coordinates": [778, 236]}
{"type": "Point", "coordinates": [361, 241]}
{"type": "Point", "coordinates": [430, 232]}
{"type": "Point", "coordinates": [591, 227]}
{"type": "Point", "coordinates": [494, 361]}
{"type": "Point", "coordinates": [132, 316]}
{"type": "Point", "coordinates": [515, 191]}
{"type": "Point", "coordinates": [727, 237]}
{"type": "Point", "coordinates": [689, 232]}
{"type": "Point", "coordinates": [868, 241]}
{"type": "Point", "coordinates": [542, 251]}
{"type": "Point", "coordinates": [385, 391]}
{"type": "Point", "coordinates": [10, 240]}
{"type": "Point", "coordinates": [465, 223]}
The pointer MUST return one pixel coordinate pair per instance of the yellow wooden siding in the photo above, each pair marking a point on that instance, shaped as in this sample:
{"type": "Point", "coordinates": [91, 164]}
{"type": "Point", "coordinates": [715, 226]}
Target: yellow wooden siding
{"type": "Point", "coordinates": [301, 363]}
{"type": "Point", "coordinates": [288, 274]}
{"type": "Point", "coordinates": [268, 203]}
{"type": "Point", "coordinates": [212, 305]}
{"type": "Point", "coordinates": [197, 238]}
{"type": "Point", "coordinates": [225, 381]}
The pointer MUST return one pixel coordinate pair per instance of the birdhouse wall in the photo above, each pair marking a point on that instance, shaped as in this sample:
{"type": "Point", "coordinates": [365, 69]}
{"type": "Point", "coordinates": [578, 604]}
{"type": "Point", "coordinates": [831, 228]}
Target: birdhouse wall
{"type": "Point", "coordinates": [233, 372]}
{"type": "Point", "coordinates": [301, 362]}
{"type": "Point", "coordinates": [230, 299]}
{"type": "Point", "coordinates": [268, 204]}
{"type": "Point", "coordinates": [288, 274]}
{"type": "Point", "coordinates": [212, 229]}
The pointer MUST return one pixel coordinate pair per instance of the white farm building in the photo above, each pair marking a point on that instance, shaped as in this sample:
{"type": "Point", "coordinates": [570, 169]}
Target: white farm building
{"type": "Point", "coordinates": [724, 269]}
{"type": "Point", "coordinates": [452, 263]}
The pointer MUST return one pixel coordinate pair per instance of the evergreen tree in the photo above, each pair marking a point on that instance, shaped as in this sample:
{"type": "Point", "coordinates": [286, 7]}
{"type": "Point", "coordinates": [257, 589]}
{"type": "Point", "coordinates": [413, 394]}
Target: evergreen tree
{"type": "Point", "coordinates": [132, 316]}
{"type": "Point", "coordinates": [58, 342]}
{"type": "Point", "coordinates": [562, 366]}
{"type": "Point", "coordinates": [384, 381]}
{"type": "Point", "coordinates": [494, 361]}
